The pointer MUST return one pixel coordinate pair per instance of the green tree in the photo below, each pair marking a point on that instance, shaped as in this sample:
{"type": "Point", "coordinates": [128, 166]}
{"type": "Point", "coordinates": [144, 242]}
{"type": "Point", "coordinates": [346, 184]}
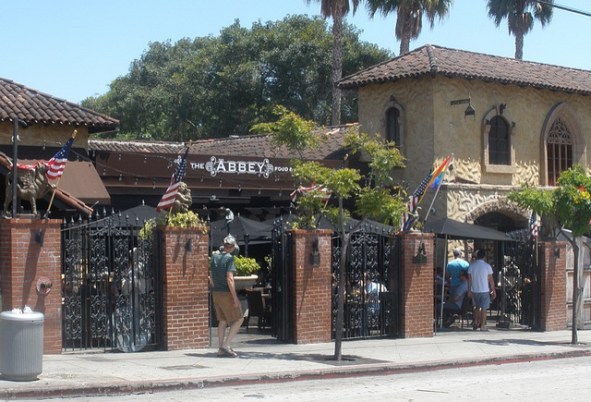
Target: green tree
{"type": "Point", "coordinates": [337, 10]}
{"type": "Point", "coordinates": [568, 206]}
{"type": "Point", "coordinates": [520, 15]}
{"type": "Point", "coordinates": [378, 197]}
{"type": "Point", "coordinates": [220, 86]}
{"type": "Point", "coordinates": [409, 16]}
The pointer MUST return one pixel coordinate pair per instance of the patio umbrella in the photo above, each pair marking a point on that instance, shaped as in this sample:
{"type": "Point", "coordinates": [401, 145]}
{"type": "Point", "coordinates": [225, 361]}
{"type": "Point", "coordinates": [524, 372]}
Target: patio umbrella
{"type": "Point", "coordinates": [245, 231]}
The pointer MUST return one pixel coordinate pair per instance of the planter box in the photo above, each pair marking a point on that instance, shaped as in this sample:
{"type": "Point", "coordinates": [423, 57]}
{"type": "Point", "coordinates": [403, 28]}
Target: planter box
{"type": "Point", "coordinates": [244, 282]}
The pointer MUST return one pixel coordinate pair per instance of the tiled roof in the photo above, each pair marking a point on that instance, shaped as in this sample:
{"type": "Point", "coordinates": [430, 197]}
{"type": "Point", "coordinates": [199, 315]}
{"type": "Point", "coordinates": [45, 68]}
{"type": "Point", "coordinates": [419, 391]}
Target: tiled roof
{"type": "Point", "coordinates": [434, 60]}
{"type": "Point", "coordinates": [250, 145]}
{"type": "Point", "coordinates": [144, 147]}
{"type": "Point", "coordinates": [34, 107]}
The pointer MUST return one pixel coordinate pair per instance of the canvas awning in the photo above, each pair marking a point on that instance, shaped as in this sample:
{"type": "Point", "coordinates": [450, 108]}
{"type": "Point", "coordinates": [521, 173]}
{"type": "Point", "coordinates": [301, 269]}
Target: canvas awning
{"type": "Point", "coordinates": [83, 181]}
{"type": "Point", "coordinates": [453, 229]}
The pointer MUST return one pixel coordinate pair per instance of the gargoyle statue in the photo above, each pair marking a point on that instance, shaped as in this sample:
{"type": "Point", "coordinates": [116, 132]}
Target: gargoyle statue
{"type": "Point", "coordinates": [183, 199]}
{"type": "Point", "coordinates": [32, 185]}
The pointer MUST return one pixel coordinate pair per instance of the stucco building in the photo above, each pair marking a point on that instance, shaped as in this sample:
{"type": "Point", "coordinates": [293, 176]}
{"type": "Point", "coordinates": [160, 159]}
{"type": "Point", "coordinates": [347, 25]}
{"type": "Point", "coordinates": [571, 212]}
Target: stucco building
{"type": "Point", "coordinates": [506, 122]}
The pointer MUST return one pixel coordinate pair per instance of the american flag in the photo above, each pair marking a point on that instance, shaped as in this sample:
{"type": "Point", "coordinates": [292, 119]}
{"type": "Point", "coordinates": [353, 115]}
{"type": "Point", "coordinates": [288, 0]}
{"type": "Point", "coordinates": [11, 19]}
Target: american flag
{"type": "Point", "coordinates": [413, 201]}
{"type": "Point", "coordinates": [169, 196]}
{"type": "Point", "coordinates": [534, 226]}
{"type": "Point", "coordinates": [319, 191]}
{"type": "Point", "coordinates": [57, 164]}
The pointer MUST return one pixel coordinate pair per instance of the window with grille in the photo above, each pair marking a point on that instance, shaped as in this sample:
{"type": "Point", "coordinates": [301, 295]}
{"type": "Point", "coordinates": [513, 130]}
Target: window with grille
{"type": "Point", "coordinates": [559, 150]}
{"type": "Point", "coordinates": [499, 146]}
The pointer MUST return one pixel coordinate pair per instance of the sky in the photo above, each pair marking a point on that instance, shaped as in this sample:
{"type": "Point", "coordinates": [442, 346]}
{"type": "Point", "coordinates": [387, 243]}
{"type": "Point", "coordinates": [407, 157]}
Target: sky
{"type": "Point", "coordinates": [73, 49]}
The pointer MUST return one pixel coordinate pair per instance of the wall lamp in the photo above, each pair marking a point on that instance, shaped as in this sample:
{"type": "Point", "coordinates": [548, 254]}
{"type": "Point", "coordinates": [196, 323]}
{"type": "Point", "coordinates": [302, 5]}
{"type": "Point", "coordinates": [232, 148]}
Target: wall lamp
{"type": "Point", "coordinates": [315, 253]}
{"type": "Point", "coordinates": [470, 111]}
{"type": "Point", "coordinates": [557, 252]}
{"type": "Point", "coordinates": [421, 257]}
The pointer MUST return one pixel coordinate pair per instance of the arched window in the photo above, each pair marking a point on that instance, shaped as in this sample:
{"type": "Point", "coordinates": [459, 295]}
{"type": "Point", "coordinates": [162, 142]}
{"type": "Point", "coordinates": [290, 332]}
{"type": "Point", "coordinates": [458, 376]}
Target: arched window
{"type": "Point", "coordinates": [499, 144]}
{"type": "Point", "coordinates": [559, 150]}
{"type": "Point", "coordinates": [393, 126]}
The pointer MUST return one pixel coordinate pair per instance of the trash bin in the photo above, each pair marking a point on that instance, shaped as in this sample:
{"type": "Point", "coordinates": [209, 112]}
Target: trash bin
{"type": "Point", "coordinates": [21, 345]}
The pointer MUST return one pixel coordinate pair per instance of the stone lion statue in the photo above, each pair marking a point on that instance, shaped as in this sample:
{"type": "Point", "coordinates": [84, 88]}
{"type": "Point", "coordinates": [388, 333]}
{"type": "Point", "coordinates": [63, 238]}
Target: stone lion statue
{"type": "Point", "coordinates": [183, 199]}
{"type": "Point", "coordinates": [32, 184]}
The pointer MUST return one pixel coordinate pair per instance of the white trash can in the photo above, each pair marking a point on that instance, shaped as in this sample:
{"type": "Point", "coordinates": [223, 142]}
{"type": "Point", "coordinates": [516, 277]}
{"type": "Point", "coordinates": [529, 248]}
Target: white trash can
{"type": "Point", "coordinates": [21, 345]}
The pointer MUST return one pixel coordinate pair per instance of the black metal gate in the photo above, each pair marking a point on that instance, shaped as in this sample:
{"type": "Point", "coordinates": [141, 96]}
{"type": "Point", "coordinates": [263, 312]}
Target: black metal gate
{"type": "Point", "coordinates": [519, 284]}
{"type": "Point", "coordinates": [110, 286]}
{"type": "Point", "coordinates": [372, 284]}
{"type": "Point", "coordinates": [281, 272]}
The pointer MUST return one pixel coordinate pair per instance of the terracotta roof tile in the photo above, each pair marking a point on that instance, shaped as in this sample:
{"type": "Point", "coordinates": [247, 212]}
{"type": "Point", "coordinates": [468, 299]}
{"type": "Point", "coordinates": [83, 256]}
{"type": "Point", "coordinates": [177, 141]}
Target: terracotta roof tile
{"type": "Point", "coordinates": [250, 145]}
{"type": "Point", "coordinates": [34, 107]}
{"type": "Point", "coordinates": [435, 60]}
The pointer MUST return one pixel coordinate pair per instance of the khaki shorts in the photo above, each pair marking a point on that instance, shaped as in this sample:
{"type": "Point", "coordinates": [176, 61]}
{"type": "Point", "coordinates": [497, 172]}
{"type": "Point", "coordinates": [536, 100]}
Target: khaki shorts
{"type": "Point", "coordinates": [224, 307]}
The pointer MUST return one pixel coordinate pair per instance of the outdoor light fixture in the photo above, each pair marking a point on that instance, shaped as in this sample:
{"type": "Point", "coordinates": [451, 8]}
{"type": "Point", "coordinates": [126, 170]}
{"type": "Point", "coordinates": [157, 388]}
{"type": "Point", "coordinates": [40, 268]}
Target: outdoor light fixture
{"type": "Point", "coordinates": [315, 253]}
{"type": "Point", "coordinates": [189, 245]}
{"type": "Point", "coordinates": [470, 111]}
{"type": "Point", "coordinates": [421, 256]}
{"type": "Point", "coordinates": [557, 252]}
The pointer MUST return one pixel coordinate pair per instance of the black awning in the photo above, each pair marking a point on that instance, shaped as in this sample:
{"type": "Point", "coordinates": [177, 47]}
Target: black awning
{"type": "Point", "coordinates": [459, 230]}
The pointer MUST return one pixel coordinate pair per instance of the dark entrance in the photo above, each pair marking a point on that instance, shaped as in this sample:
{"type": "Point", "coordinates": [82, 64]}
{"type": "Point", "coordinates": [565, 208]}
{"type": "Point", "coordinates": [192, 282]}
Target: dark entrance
{"type": "Point", "coordinates": [110, 286]}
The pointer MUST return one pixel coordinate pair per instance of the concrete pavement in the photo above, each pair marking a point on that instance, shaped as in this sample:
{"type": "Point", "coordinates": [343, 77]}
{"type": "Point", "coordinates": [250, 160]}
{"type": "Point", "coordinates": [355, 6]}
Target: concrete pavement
{"type": "Point", "coordinates": [261, 359]}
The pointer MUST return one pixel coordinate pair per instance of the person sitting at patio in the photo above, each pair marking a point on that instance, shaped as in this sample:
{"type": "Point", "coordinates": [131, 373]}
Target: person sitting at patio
{"type": "Point", "coordinates": [453, 306]}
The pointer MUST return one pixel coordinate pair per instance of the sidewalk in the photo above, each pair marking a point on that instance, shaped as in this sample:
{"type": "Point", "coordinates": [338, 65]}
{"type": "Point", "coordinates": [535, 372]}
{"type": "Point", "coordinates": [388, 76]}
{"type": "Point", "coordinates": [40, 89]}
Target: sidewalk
{"type": "Point", "coordinates": [263, 359]}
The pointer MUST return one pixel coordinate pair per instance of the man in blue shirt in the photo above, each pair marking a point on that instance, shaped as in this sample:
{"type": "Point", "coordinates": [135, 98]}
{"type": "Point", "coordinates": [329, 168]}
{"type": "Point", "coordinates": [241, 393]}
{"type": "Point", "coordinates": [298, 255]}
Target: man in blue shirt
{"type": "Point", "coordinates": [454, 267]}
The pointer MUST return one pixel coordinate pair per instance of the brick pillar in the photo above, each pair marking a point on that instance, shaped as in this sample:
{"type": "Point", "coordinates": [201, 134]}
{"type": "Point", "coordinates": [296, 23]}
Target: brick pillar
{"type": "Point", "coordinates": [552, 286]}
{"type": "Point", "coordinates": [312, 287]}
{"type": "Point", "coordinates": [416, 290]}
{"type": "Point", "coordinates": [186, 298]}
{"type": "Point", "coordinates": [30, 254]}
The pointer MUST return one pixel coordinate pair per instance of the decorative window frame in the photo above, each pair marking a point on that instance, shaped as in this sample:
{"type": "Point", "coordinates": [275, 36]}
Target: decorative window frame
{"type": "Point", "coordinates": [401, 121]}
{"type": "Point", "coordinates": [498, 111]}
{"type": "Point", "coordinates": [563, 111]}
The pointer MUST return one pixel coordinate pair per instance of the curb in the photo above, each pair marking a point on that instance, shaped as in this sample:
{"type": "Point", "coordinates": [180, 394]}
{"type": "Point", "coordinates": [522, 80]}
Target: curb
{"type": "Point", "coordinates": [151, 386]}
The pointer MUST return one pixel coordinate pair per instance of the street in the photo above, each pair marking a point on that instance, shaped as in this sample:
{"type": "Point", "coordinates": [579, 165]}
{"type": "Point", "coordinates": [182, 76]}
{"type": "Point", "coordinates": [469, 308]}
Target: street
{"type": "Point", "coordinates": [549, 380]}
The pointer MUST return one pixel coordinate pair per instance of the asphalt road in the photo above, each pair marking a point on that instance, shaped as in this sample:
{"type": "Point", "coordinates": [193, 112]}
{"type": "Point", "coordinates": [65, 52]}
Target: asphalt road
{"type": "Point", "coordinates": [550, 380]}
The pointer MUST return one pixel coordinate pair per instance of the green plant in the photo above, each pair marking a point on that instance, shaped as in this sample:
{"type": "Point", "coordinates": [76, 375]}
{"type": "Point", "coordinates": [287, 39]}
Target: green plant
{"type": "Point", "coordinates": [187, 219]}
{"type": "Point", "coordinates": [147, 231]}
{"type": "Point", "coordinates": [246, 266]}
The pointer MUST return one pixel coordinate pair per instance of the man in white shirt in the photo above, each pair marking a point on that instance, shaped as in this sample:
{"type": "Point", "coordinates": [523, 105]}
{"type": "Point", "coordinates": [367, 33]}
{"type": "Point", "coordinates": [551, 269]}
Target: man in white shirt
{"type": "Point", "coordinates": [481, 288]}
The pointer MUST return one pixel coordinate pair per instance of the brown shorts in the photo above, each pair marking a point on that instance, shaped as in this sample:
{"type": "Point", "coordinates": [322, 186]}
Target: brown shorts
{"type": "Point", "coordinates": [224, 307]}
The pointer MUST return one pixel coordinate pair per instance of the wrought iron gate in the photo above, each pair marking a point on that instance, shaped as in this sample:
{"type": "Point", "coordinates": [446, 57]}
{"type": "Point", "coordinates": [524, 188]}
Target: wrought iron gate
{"type": "Point", "coordinates": [281, 273]}
{"type": "Point", "coordinates": [519, 284]}
{"type": "Point", "coordinates": [372, 278]}
{"type": "Point", "coordinates": [110, 286]}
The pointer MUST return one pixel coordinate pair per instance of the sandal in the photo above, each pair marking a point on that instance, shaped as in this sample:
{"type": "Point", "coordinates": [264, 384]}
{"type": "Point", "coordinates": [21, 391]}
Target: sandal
{"type": "Point", "coordinates": [229, 352]}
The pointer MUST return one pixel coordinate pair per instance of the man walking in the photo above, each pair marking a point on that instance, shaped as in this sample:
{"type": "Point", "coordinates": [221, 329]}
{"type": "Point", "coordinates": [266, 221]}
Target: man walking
{"type": "Point", "coordinates": [481, 288]}
{"type": "Point", "coordinates": [225, 300]}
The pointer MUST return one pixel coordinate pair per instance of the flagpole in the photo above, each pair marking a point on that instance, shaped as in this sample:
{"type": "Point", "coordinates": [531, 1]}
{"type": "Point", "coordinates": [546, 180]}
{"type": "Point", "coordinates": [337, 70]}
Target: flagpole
{"type": "Point", "coordinates": [437, 191]}
{"type": "Point", "coordinates": [73, 136]}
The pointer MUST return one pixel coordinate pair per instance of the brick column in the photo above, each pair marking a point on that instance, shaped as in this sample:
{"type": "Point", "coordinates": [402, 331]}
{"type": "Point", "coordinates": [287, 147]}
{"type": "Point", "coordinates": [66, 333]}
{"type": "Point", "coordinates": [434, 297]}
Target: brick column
{"type": "Point", "coordinates": [30, 254]}
{"type": "Point", "coordinates": [186, 301]}
{"type": "Point", "coordinates": [312, 286]}
{"type": "Point", "coordinates": [416, 285]}
{"type": "Point", "coordinates": [552, 286]}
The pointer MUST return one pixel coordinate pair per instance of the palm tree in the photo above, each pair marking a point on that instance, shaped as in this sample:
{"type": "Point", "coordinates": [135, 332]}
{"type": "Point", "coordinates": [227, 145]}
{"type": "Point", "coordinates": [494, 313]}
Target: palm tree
{"type": "Point", "coordinates": [337, 10]}
{"type": "Point", "coordinates": [409, 20]}
{"type": "Point", "coordinates": [519, 17]}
